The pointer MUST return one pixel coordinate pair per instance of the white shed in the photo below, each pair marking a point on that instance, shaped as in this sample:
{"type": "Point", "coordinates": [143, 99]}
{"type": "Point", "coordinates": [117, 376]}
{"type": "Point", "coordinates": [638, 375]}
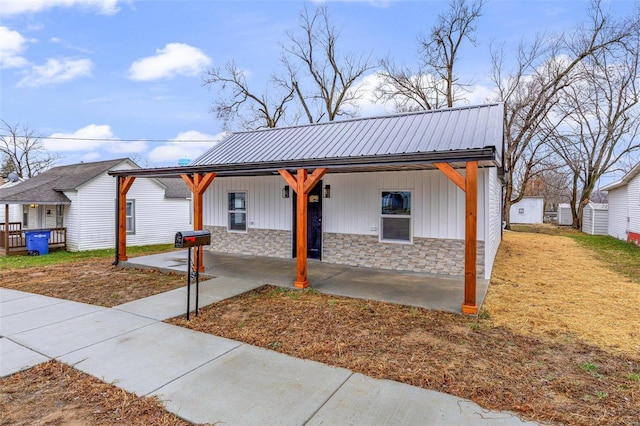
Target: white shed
{"type": "Point", "coordinates": [529, 210]}
{"type": "Point", "coordinates": [595, 219]}
{"type": "Point", "coordinates": [564, 214]}
{"type": "Point", "coordinates": [624, 207]}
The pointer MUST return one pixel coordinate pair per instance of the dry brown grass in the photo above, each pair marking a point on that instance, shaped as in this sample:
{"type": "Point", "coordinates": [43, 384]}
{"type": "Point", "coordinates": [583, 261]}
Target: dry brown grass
{"type": "Point", "coordinates": [93, 281]}
{"type": "Point", "coordinates": [551, 286]}
{"type": "Point", "coordinates": [55, 394]}
{"type": "Point", "coordinates": [556, 342]}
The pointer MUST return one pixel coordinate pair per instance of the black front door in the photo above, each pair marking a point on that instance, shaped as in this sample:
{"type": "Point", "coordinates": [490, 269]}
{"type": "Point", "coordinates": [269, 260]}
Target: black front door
{"type": "Point", "coordinates": [314, 223]}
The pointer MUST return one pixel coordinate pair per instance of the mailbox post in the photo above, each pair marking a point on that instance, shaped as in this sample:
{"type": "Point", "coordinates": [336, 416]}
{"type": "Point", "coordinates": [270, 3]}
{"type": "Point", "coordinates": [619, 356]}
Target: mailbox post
{"type": "Point", "coordinates": [192, 240]}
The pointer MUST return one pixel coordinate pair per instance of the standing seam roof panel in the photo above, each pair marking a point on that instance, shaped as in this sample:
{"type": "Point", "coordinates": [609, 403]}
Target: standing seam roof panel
{"type": "Point", "coordinates": [428, 131]}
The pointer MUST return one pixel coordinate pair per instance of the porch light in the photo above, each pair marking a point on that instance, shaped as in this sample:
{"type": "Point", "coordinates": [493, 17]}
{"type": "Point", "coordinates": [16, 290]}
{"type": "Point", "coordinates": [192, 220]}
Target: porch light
{"type": "Point", "coordinates": [285, 191]}
{"type": "Point", "coordinates": [327, 191]}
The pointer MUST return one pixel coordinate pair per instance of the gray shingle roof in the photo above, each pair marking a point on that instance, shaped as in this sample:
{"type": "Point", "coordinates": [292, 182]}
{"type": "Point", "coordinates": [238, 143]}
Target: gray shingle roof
{"type": "Point", "coordinates": [47, 187]}
{"type": "Point", "coordinates": [175, 188]}
{"type": "Point", "coordinates": [454, 130]}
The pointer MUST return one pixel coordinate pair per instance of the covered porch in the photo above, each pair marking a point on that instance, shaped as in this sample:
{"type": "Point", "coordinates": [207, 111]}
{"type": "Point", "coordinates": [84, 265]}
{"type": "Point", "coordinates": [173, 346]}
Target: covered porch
{"type": "Point", "coordinates": [13, 238]}
{"type": "Point", "coordinates": [422, 290]}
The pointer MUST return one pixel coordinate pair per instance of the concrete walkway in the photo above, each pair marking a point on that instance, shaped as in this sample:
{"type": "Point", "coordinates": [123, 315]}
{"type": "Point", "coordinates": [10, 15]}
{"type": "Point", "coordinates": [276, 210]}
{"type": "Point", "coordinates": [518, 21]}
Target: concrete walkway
{"type": "Point", "coordinates": [431, 291]}
{"type": "Point", "coordinates": [209, 379]}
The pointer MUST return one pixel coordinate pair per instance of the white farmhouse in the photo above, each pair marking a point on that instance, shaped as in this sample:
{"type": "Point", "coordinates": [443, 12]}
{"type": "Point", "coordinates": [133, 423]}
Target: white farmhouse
{"type": "Point", "coordinates": [77, 204]}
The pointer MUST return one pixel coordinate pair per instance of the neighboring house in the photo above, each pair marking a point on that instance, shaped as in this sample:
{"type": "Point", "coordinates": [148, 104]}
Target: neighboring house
{"type": "Point", "coordinates": [564, 214]}
{"type": "Point", "coordinates": [595, 218]}
{"type": "Point", "coordinates": [78, 200]}
{"type": "Point", "coordinates": [624, 207]}
{"type": "Point", "coordinates": [529, 210]}
{"type": "Point", "coordinates": [416, 191]}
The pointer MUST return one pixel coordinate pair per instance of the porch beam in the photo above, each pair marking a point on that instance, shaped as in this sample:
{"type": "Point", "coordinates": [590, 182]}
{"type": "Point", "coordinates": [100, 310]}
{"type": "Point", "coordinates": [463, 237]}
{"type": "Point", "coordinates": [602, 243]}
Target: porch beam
{"type": "Point", "coordinates": [125, 183]}
{"type": "Point", "coordinates": [314, 179]}
{"type": "Point", "coordinates": [290, 179]}
{"type": "Point", "coordinates": [471, 237]}
{"type": "Point", "coordinates": [452, 174]}
{"type": "Point", "coordinates": [198, 185]}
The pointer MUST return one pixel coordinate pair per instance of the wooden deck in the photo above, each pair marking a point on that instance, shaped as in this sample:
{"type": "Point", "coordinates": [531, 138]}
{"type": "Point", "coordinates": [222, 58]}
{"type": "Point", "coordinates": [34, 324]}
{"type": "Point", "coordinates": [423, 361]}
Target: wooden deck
{"type": "Point", "coordinates": [13, 240]}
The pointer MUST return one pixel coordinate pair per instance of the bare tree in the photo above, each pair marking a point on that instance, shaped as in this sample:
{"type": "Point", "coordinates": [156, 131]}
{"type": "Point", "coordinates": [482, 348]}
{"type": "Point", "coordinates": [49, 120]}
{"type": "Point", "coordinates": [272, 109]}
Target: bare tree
{"type": "Point", "coordinates": [531, 92]}
{"type": "Point", "coordinates": [322, 79]}
{"type": "Point", "coordinates": [237, 102]}
{"type": "Point", "coordinates": [23, 151]}
{"type": "Point", "coordinates": [602, 118]}
{"type": "Point", "coordinates": [435, 84]}
{"type": "Point", "coordinates": [315, 76]}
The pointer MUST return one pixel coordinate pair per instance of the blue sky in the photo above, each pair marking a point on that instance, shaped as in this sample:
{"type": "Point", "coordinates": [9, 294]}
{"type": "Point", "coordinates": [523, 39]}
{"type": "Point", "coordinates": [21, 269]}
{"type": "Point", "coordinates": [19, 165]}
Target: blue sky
{"type": "Point", "coordinates": [132, 71]}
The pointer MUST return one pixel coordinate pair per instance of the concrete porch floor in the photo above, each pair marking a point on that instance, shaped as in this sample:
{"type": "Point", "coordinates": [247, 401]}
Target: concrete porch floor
{"type": "Point", "coordinates": [431, 291]}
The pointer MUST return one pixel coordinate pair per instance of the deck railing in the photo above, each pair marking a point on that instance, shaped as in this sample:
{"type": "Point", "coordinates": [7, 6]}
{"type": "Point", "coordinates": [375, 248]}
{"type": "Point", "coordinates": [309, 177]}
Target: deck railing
{"type": "Point", "coordinates": [14, 241]}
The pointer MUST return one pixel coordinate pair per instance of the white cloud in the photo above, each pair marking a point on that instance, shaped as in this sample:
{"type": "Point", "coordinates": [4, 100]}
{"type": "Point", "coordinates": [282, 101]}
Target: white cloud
{"type": "Point", "coordinates": [12, 44]}
{"type": "Point", "coordinates": [17, 7]}
{"type": "Point", "coordinates": [367, 105]}
{"type": "Point", "coordinates": [56, 71]}
{"type": "Point", "coordinates": [479, 94]}
{"type": "Point", "coordinates": [93, 137]}
{"type": "Point", "coordinates": [174, 59]}
{"type": "Point", "coordinates": [81, 140]}
{"type": "Point", "coordinates": [184, 145]}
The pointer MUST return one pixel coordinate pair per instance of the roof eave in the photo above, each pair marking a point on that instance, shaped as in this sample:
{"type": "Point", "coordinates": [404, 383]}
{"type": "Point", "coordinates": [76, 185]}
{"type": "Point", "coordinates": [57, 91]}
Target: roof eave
{"type": "Point", "coordinates": [486, 154]}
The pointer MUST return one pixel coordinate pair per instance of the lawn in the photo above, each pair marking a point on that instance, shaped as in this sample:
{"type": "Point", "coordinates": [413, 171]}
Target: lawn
{"type": "Point", "coordinates": [556, 341]}
{"type": "Point", "coordinates": [87, 277]}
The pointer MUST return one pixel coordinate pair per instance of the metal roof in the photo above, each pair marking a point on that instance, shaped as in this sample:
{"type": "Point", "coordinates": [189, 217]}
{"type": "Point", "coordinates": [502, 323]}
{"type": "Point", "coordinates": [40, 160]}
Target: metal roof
{"type": "Point", "coordinates": [460, 132]}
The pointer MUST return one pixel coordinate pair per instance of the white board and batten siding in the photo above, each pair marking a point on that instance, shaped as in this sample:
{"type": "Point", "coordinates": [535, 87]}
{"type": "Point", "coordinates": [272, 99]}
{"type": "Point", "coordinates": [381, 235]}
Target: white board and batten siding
{"type": "Point", "coordinates": [595, 219]}
{"type": "Point", "coordinates": [494, 219]}
{"type": "Point", "coordinates": [266, 209]}
{"type": "Point", "coordinates": [91, 216]}
{"type": "Point", "coordinates": [438, 205]}
{"type": "Point", "coordinates": [529, 210]}
{"type": "Point", "coordinates": [624, 208]}
{"type": "Point", "coordinates": [633, 195]}
{"type": "Point", "coordinates": [618, 225]}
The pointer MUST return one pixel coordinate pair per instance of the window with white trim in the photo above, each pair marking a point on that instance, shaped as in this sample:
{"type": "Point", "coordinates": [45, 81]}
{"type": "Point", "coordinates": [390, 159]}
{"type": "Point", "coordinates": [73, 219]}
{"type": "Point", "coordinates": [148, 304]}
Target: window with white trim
{"type": "Point", "coordinates": [130, 216]}
{"type": "Point", "coordinates": [237, 212]}
{"type": "Point", "coordinates": [395, 216]}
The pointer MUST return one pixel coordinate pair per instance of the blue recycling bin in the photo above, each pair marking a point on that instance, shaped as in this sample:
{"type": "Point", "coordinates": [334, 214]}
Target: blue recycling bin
{"type": "Point", "coordinates": [38, 241]}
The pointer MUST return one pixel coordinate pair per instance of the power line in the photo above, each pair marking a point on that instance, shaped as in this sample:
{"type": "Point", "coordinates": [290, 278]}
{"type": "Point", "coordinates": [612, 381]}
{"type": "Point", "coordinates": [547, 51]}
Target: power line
{"type": "Point", "coordinates": [111, 139]}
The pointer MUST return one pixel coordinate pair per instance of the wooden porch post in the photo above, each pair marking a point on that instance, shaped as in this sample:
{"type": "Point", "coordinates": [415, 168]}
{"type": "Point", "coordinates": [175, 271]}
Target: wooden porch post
{"type": "Point", "coordinates": [198, 185]}
{"type": "Point", "coordinates": [471, 238]}
{"type": "Point", "coordinates": [302, 185]}
{"type": "Point", "coordinates": [468, 184]}
{"type": "Point", "coordinates": [6, 229]}
{"type": "Point", "coordinates": [125, 185]}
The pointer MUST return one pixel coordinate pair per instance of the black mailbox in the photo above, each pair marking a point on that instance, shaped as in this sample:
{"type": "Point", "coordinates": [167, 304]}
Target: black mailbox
{"type": "Point", "coordinates": [186, 239]}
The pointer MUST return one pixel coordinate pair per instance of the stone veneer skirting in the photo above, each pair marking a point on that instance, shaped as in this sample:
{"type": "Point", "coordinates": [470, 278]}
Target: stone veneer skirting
{"type": "Point", "coordinates": [258, 242]}
{"type": "Point", "coordinates": [432, 255]}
